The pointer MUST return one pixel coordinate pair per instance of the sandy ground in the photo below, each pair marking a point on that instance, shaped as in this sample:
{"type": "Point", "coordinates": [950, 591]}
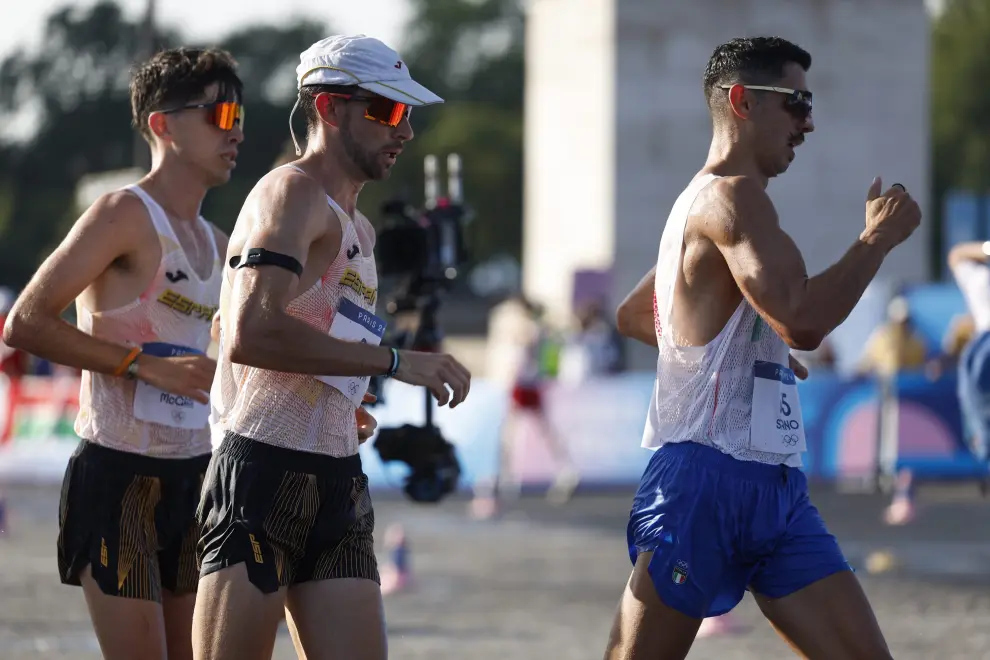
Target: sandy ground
{"type": "Point", "coordinates": [543, 582]}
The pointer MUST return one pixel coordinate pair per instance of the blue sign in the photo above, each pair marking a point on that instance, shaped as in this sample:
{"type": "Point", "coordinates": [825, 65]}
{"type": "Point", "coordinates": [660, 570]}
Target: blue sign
{"type": "Point", "coordinates": [961, 222]}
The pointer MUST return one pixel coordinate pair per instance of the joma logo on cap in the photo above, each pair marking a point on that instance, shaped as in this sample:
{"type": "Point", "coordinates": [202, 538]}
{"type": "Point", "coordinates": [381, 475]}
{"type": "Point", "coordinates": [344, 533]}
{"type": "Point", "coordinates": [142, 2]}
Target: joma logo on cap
{"type": "Point", "coordinates": [398, 65]}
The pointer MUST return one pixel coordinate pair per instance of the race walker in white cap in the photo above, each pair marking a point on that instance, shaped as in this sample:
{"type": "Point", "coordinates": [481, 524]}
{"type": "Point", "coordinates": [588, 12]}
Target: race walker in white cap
{"type": "Point", "coordinates": [363, 62]}
{"type": "Point", "coordinates": [286, 514]}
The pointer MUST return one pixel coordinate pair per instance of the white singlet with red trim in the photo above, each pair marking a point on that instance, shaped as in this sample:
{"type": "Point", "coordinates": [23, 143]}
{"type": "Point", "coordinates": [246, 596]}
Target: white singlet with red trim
{"type": "Point", "coordinates": [171, 316]}
{"type": "Point", "coordinates": [706, 394]}
{"type": "Point", "coordinates": [297, 411]}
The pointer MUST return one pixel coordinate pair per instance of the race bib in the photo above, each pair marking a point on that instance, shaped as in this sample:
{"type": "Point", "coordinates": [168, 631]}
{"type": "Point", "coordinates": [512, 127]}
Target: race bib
{"type": "Point", "coordinates": [352, 323]}
{"type": "Point", "coordinates": [776, 424]}
{"type": "Point", "coordinates": [158, 407]}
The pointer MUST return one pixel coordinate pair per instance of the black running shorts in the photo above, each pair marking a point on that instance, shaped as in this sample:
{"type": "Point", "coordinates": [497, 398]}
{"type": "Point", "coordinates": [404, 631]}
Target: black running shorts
{"type": "Point", "coordinates": [290, 516]}
{"type": "Point", "coordinates": [132, 518]}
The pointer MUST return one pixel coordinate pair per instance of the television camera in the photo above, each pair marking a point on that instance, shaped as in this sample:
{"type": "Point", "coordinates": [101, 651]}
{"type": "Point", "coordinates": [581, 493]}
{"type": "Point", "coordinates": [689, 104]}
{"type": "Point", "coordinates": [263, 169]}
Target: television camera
{"type": "Point", "coordinates": [423, 251]}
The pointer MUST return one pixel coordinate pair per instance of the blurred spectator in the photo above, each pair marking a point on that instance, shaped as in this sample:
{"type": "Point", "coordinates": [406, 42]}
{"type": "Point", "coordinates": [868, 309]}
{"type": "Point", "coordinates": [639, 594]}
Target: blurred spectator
{"type": "Point", "coordinates": [595, 349]}
{"type": "Point", "coordinates": [961, 330]}
{"type": "Point", "coordinates": [957, 337]}
{"type": "Point", "coordinates": [895, 345]}
{"type": "Point", "coordinates": [517, 334]}
{"type": "Point", "coordinates": [509, 332]}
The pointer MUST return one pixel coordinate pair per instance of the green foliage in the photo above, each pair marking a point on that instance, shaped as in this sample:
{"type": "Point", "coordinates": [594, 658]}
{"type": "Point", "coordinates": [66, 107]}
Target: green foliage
{"type": "Point", "coordinates": [960, 124]}
{"type": "Point", "coordinates": [960, 121]}
{"type": "Point", "coordinates": [489, 141]}
{"type": "Point", "coordinates": [470, 52]}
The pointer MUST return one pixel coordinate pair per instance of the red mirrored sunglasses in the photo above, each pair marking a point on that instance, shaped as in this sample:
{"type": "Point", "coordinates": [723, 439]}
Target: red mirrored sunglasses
{"type": "Point", "coordinates": [384, 111]}
{"type": "Point", "coordinates": [222, 114]}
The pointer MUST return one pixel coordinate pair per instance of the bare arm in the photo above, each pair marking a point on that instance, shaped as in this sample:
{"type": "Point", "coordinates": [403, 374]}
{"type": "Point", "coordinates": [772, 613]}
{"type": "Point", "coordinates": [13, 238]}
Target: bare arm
{"type": "Point", "coordinates": [288, 216]}
{"type": "Point", "coordinates": [105, 232]}
{"type": "Point", "coordinates": [969, 251]}
{"type": "Point", "coordinates": [285, 218]}
{"type": "Point", "coordinates": [771, 273]}
{"type": "Point", "coordinates": [634, 317]}
{"type": "Point", "coordinates": [223, 242]}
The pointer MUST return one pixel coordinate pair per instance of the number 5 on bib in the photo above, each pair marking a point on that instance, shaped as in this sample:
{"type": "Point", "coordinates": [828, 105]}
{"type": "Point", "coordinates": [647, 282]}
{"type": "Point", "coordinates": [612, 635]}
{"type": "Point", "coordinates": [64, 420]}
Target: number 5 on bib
{"type": "Point", "coordinates": [776, 425]}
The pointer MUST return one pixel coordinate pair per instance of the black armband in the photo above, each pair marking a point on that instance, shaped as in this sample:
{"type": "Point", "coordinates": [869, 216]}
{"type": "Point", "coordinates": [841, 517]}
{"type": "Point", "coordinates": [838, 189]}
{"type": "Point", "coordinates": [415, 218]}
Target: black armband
{"type": "Point", "coordinates": [263, 257]}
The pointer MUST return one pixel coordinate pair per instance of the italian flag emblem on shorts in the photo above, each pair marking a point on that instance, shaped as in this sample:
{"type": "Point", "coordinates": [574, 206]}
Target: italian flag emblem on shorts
{"type": "Point", "coordinates": [680, 574]}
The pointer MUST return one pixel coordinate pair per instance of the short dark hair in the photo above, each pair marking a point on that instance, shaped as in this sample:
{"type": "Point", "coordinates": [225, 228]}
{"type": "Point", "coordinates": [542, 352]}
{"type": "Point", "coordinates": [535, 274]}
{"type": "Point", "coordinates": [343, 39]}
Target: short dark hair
{"type": "Point", "coordinates": [175, 77]}
{"type": "Point", "coordinates": [752, 61]}
{"type": "Point", "coordinates": [307, 101]}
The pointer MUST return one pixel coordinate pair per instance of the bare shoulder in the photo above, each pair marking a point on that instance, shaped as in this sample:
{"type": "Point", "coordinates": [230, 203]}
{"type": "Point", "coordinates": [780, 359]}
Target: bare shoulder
{"type": "Point", "coordinates": [116, 226]}
{"type": "Point", "coordinates": [117, 211]}
{"type": "Point", "coordinates": [289, 178]}
{"type": "Point", "coordinates": [733, 207]}
{"type": "Point", "coordinates": [117, 221]}
{"type": "Point", "coordinates": [285, 200]}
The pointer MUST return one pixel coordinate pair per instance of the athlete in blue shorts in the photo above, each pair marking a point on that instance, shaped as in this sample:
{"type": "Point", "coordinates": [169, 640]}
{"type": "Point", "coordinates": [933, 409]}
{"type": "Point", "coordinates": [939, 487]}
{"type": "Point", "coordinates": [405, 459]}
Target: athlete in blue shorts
{"type": "Point", "coordinates": [723, 504]}
{"type": "Point", "coordinates": [968, 262]}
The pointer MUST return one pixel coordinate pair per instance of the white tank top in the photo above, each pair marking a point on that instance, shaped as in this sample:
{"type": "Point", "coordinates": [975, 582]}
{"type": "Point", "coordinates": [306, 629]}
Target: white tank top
{"type": "Point", "coordinates": [297, 411]}
{"type": "Point", "coordinates": [705, 394]}
{"type": "Point", "coordinates": [170, 317]}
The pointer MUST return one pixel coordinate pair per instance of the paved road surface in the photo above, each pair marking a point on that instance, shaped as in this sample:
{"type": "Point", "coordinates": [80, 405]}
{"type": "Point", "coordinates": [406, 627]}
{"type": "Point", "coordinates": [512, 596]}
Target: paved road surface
{"type": "Point", "coordinates": [543, 582]}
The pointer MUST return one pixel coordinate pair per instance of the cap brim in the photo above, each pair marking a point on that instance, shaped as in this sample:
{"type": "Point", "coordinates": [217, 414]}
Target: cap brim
{"type": "Point", "coordinates": [409, 92]}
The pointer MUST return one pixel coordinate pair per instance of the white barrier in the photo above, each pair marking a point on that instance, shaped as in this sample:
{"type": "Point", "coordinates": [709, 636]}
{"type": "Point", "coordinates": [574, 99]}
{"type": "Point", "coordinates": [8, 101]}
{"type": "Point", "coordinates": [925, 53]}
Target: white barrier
{"type": "Point", "coordinates": [601, 421]}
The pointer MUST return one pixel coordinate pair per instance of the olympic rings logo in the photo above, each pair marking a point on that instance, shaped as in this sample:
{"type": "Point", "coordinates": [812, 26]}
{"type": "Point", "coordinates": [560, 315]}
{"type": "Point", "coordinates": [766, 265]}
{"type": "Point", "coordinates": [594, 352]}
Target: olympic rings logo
{"type": "Point", "coordinates": [790, 439]}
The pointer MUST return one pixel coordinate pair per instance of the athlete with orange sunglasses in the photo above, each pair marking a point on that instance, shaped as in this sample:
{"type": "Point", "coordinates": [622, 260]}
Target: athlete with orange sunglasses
{"type": "Point", "coordinates": [287, 515]}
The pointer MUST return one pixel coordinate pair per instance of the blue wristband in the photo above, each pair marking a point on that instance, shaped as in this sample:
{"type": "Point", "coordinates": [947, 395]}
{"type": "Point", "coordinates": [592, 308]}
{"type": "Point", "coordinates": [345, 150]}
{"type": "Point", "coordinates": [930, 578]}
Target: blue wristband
{"type": "Point", "coordinates": [394, 367]}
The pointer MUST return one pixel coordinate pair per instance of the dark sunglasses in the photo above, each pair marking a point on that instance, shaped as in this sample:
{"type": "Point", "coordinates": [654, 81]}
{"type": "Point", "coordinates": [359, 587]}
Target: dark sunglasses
{"type": "Point", "coordinates": [797, 102]}
{"type": "Point", "coordinates": [384, 111]}
{"type": "Point", "coordinates": [222, 114]}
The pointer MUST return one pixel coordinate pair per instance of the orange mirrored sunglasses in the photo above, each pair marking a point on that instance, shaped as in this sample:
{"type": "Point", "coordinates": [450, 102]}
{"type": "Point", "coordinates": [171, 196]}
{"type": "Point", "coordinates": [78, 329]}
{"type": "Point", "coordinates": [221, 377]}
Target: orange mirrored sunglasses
{"type": "Point", "coordinates": [222, 114]}
{"type": "Point", "coordinates": [384, 111]}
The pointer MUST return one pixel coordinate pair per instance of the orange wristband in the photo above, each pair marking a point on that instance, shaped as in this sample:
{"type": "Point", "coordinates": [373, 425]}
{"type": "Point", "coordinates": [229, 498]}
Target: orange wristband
{"type": "Point", "coordinates": [119, 371]}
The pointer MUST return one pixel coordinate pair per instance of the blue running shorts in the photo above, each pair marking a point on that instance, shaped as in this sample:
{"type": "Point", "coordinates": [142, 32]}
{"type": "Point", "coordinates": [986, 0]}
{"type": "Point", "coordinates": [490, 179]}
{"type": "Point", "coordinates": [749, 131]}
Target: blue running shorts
{"type": "Point", "coordinates": [974, 393]}
{"type": "Point", "coordinates": [718, 525]}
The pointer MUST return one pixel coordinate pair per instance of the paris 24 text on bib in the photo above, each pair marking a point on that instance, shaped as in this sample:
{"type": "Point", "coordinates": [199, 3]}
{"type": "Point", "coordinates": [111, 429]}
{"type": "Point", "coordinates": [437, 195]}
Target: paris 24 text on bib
{"type": "Point", "coordinates": [158, 407]}
{"type": "Point", "coordinates": [352, 323]}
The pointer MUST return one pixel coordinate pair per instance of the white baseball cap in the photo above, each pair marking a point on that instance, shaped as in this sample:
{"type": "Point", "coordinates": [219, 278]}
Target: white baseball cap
{"type": "Point", "coordinates": [363, 61]}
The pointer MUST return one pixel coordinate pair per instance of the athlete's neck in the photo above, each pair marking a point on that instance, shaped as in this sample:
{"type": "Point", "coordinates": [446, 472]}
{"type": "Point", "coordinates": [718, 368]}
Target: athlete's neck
{"type": "Point", "coordinates": [729, 156]}
{"type": "Point", "coordinates": [176, 188]}
{"type": "Point", "coordinates": [336, 174]}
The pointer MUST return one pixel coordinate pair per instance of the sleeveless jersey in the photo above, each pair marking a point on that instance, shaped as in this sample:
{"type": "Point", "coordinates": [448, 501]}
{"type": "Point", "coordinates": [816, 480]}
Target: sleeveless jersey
{"type": "Point", "coordinates": [297, 411]}
{"type": "Point", "coordinates": [705, 394]}
{"type": "Point", "coordinates": [172, 316]}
